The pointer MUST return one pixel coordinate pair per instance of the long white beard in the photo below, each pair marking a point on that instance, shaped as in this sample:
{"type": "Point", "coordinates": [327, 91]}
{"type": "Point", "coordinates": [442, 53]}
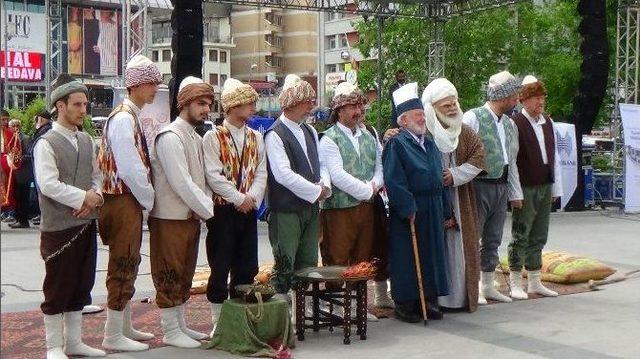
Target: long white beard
{"type": "Point", "coordinates": [446, 139]}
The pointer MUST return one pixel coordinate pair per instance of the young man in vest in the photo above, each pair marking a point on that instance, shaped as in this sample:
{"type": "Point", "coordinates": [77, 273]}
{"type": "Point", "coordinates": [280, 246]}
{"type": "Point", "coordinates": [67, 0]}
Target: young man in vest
{"type": "Point", "coordinates": [501, 183]}
{"type": "Point", "coordinates": [236, 171]}
{"type": "Point", "coordinates": [541, 183]}
{"type": "Point", "coordinates": [182, 200]}
{"type": "Point", "coordinates": [69, 183]}
{"type": "Point", "coordinates": [127, 190]}
{"type": "Point", "coordinates": [295, 185]}
{"type": "Point", "coordinates": [353, 159]}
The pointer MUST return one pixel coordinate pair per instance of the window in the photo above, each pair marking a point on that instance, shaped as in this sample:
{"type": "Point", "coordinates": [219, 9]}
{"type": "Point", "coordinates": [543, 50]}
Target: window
{"type": "Point", "coordinates": [213, 79]}
{"type": "Point", "coordinates": [166, 55]}
{"type": "Point", "coordinates": [161, 32]}
{"type": "Point", "coordinates": [330, 41]}
{"type": "Point", "coordinates": [213, 55]}
{"type": "Point", "coordinates": [223, 78]}
{"type": "Point", "coordinates": [155, 56]}
{"type": "Point", "coordinates": [215, 107]}
{"type": "Point", "coordinates": [223, 56]}
{"type": "Point", "coordinates": [331, 68]}
{"type": "Point", "coordinates": [273, 40]}
{"type": "Point", "coordinates": [166, 78]}
{"type": "Point", "coordinates": [273, 19]}
{"type": "Point", "coordinates": [343, 40]}
{"type": "Point", "coordinates": [211, 30]}
{"type": "Point", "coordinates": [274, 61]}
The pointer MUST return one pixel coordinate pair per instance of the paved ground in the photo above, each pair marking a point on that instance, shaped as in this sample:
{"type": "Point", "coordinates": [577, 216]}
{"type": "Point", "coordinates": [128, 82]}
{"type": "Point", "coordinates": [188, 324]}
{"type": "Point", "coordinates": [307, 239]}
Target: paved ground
{"type": "Point", "coordinates": [603, 324]}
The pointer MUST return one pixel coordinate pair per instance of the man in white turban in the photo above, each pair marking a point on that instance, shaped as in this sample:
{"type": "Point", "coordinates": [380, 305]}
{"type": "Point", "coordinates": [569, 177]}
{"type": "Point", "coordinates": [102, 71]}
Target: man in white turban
{"type": "Point", "coordinates": [462, 160]}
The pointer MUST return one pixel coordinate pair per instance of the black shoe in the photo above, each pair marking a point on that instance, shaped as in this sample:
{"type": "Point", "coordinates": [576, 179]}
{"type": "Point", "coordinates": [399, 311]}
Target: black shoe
{"type": "Point", "coordinates": [434, 313]}
{"type": "Point", "coordinates": [406, 313]}
{"type": "Point", "coordinates": [16, 225]}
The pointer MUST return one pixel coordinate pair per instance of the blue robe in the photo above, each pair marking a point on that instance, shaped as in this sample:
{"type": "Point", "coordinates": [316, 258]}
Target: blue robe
{"type": "Point", "coordinates": [413, 178]}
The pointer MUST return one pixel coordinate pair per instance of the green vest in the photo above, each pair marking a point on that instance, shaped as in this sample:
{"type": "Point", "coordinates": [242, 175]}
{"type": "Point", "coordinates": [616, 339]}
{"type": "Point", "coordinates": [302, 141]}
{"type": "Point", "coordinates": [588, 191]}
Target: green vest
{"type": "Point", "coordinates": [488, 132]}
{"type": "Point", "coordinates": [362, 167]}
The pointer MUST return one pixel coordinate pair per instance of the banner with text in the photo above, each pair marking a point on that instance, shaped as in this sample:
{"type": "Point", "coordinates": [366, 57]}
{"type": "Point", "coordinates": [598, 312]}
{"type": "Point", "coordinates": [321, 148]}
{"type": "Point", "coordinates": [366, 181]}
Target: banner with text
{"type": "Point", "coordinates": [630, 115]}
{"type": "Point", "coordinates": [568, 158]}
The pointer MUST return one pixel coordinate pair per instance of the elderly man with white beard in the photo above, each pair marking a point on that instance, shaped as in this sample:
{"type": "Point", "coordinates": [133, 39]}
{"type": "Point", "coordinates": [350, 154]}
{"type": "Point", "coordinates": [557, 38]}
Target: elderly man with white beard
{"type": "Point", "coordinates": [462, 160]}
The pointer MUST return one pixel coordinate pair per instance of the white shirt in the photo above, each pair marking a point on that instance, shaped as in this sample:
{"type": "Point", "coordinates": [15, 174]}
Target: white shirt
{"type": "Point", "coordinates": [214, 167]}
{"type": "Point", "coordinates": [556, 190]}
{"type": "Point", "coordinates": [513, 181]}
{"type": "Point", "coordinates": [173, 160]}
{"type": "Point", "coordinates": [471, 120]}
{"type": "Point", "coordinates": [47, 173]}
{"type": "Point", "coordinates": [131, 170]}
{"type": "Point", "coordinates": [331, 159]}
{"type": "Point", "coordinates": [281, 166]}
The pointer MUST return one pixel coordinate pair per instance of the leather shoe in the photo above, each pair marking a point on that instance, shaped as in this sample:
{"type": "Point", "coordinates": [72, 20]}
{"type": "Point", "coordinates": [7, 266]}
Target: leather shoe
{"type": "Point", "coordinates": [16, 225]}
{"type": "Point", "coordinates": [406, 313]}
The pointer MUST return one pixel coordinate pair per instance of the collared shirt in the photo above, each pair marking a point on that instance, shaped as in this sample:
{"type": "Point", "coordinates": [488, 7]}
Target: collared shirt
{"type": "Point", "coordinates": [172, 157]}
{"type": "Point", "coordinates": [131, 170]}
{"type": "Point", "coordinates": [538, 130]}
{"type": "Point", "coordinates": [471, 120]}
{"type": "Point", "coordinates": [214, 167]}
{"type": "Point", "coordinates": [47, 172]}
{"type": "Point", "coordinates": [281, 166]}
{"type": "Point", "coordinates": [419, 139]}
{"type": "Point", "coordinates": [331, 159]}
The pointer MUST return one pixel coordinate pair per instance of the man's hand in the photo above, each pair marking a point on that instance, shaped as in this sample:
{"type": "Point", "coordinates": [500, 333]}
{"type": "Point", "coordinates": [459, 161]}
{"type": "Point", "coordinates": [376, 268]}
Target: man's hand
{"type": "Point", "coordinates": [517, 204]}
{"type": "Point", "coordinates": [247, 205]}
{"type": "Point", "coordinates": [390, 133]}
{"type": "Point", "coordinates": [83, 212]}
{"type": "Point", "coordinates": [325, 193]}
{"type": "Point", "coordinates": [96, 49]}
{"type": "Point", "coordinates": [447, 177]}
{"type": "Point", "coordinates": [92, 199]}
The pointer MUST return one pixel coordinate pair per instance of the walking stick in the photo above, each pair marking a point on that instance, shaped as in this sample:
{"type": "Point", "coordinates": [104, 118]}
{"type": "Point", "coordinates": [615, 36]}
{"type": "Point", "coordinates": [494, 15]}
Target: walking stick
{"type": "Point", "coordinates": [414, 240]}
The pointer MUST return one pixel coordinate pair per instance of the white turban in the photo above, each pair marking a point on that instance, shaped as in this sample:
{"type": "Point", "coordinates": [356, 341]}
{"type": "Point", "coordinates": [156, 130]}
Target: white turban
{"type": "Point", "coordinates": [446, 139]}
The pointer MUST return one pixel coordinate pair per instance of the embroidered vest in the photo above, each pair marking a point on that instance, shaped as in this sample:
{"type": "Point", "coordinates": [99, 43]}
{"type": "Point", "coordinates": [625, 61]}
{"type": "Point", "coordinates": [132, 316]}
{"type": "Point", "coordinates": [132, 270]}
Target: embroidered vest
{"type": "Point", "coordinates": [111, 183]}
{"type": "Point", "coordinates": [362, 167]}
{"type": "Point", "coordinates": [239, 168]}
{"type": "Point", "coordinates": [488, 132]}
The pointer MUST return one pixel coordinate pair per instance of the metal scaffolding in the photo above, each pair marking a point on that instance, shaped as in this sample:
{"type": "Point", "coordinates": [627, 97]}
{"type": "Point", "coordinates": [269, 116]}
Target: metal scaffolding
{"type": "Point", "coordinates": [626, 83]}
{"type": "Point", "coordinates": [134, 34]}
{"type": "Point", "coordinates": [54, 43]}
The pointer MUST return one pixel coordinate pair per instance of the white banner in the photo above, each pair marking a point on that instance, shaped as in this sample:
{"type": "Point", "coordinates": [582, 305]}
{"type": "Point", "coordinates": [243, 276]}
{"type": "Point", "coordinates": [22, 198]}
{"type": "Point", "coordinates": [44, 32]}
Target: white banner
{"type": "Point", "coordinates": [153, 117]}
{"type": "Point", "coordinates": [568, 158]}
{"type": "Point", "coordinates": [631, 125]}
{"type": "Point", "coordinates": [25, 31]}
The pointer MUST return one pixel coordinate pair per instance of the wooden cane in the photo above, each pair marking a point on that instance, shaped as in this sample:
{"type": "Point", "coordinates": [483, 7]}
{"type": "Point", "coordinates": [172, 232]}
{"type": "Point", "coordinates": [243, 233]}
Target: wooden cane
{"type": "Point", "coordinates": [414, 240]}
{"type": "Point", "coordinates": [11, 169]}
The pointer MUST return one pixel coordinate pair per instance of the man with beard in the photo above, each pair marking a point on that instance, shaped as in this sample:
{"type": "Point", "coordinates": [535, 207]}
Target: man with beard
{"type": "Point", "coordinates": [182, 200]}
{"type": "Point", "coordinates": [412, 168]}
{"type": "Point", "coordinates": [236, 171]}
{"type": "Point", "coordinates": [501, 182]}
{"type": "Point", "coordinates": [127, 190]}
{"type": "Point", "coordinates": [352, 157]}
{"type": "Point", "coordinates": [69, 183]}
{"type": "Point", "coordinates": [295, 185]}
{"type": "Point", "coordinates": [462, 159]}
{"type": "Point", "coordinates": [540, 175]}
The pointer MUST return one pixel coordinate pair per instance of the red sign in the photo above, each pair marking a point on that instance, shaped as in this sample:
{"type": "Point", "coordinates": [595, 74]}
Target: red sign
{"type": "Point", "coordinates": [22, 66]}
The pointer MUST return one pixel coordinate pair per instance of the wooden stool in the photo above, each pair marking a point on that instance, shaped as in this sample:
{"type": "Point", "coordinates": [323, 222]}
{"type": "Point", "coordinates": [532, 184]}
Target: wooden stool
{"type": "Point", "coordinates": [325, 284]}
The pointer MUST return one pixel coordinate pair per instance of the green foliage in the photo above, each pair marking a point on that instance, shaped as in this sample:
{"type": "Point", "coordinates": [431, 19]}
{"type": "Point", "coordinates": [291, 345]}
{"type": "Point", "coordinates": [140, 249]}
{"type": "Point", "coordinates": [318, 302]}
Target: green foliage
{"type": "Point", "coordinates": [28, 125]}
{"type": "Point", "coordinates": [601, 163]}
{"type": "Point", "coordinates": [36, 106]}
{"type": "Point", "coordinates": [542, 40]}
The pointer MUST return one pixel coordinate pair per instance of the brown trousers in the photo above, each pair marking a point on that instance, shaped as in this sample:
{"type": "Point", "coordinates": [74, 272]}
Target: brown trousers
{"type": "Point", "coordinates": [69, 275]}
{"type": "Point", "coordinates": [120, 228]}
{"type": "Point", "coordinates": [347, 235]}
{"type": "Point", "coordinates": [174, 254]}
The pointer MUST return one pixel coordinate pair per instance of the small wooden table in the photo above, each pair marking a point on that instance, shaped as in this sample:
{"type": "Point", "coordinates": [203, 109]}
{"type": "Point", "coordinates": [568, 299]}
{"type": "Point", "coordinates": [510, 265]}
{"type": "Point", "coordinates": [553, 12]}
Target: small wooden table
{"type": "Point", "coordinates": [312, 282]}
